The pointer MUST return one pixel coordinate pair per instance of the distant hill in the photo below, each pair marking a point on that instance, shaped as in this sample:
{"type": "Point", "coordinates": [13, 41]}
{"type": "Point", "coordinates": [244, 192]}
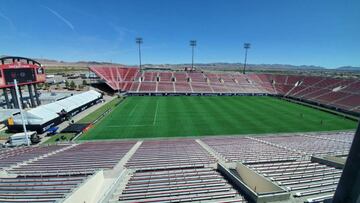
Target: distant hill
{"type": "Point", "coordinates": [349, 68]}
{"type": "Point", "coordinates": [54, 63]}
{"type": "Point", "coordinates": [49, 63]}
{"type": "Point", "coordinates": [235, 66]}
{"type": "Point", "coordinates": [209, 66]}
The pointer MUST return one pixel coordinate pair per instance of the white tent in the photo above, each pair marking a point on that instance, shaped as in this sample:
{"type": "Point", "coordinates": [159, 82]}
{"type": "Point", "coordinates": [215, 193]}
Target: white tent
{"type": "Point", "coordinates": [48, 112]}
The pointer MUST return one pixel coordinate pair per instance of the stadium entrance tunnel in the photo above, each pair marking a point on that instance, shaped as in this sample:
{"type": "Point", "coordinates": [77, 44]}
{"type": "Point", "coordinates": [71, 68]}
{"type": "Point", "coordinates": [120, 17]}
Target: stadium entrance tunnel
{"type": "Point", "coordinates": [253, 185]}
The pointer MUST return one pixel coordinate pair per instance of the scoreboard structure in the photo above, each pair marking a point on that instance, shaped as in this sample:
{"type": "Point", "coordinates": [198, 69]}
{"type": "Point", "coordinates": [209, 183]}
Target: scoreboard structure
{"type": "Point", "coordinates": [28, 73]}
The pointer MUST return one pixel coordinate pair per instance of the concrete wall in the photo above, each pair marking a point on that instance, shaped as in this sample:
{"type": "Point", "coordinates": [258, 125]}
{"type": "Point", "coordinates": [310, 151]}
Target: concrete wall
{"type": "Point", "coordinates": [88, 191]}
{"type": "Point", "coordinates": [333, 161]}
{"type": "Point", "coordinates": [255, 181]}
{"type": "Point", "coordinates": [274, 192]}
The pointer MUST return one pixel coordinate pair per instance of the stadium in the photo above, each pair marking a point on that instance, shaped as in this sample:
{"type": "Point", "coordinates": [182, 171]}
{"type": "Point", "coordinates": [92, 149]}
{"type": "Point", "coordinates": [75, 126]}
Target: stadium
{"type": "Point", "coordinates": [192, 136]}
{"type": "Point", "coordinates": [159, 101]}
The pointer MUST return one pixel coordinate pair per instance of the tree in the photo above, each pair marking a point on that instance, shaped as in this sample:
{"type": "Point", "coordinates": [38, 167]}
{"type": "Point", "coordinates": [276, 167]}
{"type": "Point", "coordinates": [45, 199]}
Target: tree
{"type": "Point", "coordinates": [66, 84]}
{"type": "Point", "coordinates": [57, 86]}
{"type": "Point", "coordinates": [72, 85]}
{"type": "Point", "coordinates": [46, 86]}
{"type": "Point", "coordinates": [84, 82]}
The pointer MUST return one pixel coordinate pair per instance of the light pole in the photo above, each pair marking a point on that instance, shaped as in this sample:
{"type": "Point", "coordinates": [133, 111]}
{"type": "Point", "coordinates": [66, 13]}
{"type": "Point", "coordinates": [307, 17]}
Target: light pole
{"type": "Point", "coordinates": [193, 45]}
{"type": "Point", "coordinates": [246, 47]}
{"type": "Point", "coordinates": [21, 112]}
{"type": "Point", "coordinates": [139, 41]}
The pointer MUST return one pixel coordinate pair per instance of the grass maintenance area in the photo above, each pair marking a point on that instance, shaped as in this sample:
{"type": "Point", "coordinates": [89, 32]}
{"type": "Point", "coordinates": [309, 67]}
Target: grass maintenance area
{"type": "Point", "coordinates": [185, 116]}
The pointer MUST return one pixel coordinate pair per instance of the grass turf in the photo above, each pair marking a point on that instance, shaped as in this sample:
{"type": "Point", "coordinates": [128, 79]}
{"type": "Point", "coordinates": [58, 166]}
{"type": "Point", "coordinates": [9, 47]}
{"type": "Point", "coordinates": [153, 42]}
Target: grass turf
{"type": "Point", "coordinates": [60, 137]}
{"type": "Point", "coordinates": [147, 117]}
{"type": "Point", "coordinates": [98, 112]}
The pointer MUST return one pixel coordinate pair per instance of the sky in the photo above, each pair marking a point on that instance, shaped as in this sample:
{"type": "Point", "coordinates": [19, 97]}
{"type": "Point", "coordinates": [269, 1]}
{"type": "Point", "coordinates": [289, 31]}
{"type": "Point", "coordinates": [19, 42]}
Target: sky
{"type": "Point", "coordinates": [298, 32]}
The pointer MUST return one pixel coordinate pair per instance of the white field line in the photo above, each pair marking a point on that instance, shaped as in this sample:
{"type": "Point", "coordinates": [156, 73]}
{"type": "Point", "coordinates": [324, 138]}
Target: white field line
{"type": "Point", "coordinates": [138, 125]}
{"type": "Point", "coordinates": [119, 126]}
{"type": "Point", "coordinates": [155, 115]}
{"type": "Point", "coordinates": [132, 110]}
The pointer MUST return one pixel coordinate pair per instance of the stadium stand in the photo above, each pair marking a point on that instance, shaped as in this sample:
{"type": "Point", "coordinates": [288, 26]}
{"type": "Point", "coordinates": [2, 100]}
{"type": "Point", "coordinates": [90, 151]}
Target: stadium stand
{"type": "Point", "coordinates": [303, 178]}
{"type": "Point", "coordinates": [50, 173]}
{"type": "Point", "coordinates": [251, 151]}
{"type": "Point", "coordinates": [310, 145]}
{"type": "Point", "coordinates": [174, 170]}
{"type": "Point", "coordinates": [78, 158]}
{"type": "Point", "coordinates": [170, 154]}
{"type": "Point", "coordinates": [286, 162]}
{"type": "Point", "coordinates": [337, 93]}
{"type": "Point", "coordinates": [179, 185]}
{"type": "Point", "coordinates": [38, 188]}
{"type": "Point", "coordinates": [11, 156]}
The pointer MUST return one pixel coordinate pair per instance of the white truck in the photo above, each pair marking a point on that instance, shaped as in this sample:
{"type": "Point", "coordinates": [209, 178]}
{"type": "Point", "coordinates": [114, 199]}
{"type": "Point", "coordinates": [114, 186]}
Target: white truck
{"type": "Point", "coordinates": [20, 139]}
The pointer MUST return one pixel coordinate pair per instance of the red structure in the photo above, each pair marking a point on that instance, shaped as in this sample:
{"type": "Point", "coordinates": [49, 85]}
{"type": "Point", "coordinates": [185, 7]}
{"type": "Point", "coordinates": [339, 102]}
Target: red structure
{"type": "Point", "coordinates": [338, 93]}
{"type": "Point", "coordinates": [27, 72]}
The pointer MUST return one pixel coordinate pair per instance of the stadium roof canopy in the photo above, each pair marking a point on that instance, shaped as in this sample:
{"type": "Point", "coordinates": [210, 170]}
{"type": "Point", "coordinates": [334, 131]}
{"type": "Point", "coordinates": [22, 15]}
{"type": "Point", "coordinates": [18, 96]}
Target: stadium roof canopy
{"type": "Point", "coordinates": [48, 112]}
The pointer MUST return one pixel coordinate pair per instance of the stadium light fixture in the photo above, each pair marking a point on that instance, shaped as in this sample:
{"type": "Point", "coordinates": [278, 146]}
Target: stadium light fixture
{"type": "Point", "coordinates": [193, 45]}
{"type": "Point", "coordinates": [246, 47]}
{"type": "Point", "coordinates": [139, 41]}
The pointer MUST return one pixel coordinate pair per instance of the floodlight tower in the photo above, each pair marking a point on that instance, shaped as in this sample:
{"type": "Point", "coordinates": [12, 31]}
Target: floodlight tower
{"type": "Point", "coordinates": [193, 45]}
{"type": "Point", "coordinates": [246, 47]}
{"type": "Point", "coordinates": [139, 41]}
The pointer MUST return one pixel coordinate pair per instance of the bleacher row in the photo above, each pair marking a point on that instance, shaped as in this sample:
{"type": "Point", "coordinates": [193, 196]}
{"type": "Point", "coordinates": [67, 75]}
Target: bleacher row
{"type": "Point", "coordinates": [173, 170]}
{"type": "Point", "coordinates": [131, 80]}
{"type": "Point", "coordinates": [179, 185]}
{"type": "Point", "coordinates": [303, 178]}
{"type": "Point", "coordinates": [169, 154]}
{"type": "Point", "coordinates": [51, 176]}
{"type": "Point", "coordinates": [286, 159]}
{"type": "Point", "coordinates": [339, 93]}
{"type": "Point", "coordinates": [176, 171]}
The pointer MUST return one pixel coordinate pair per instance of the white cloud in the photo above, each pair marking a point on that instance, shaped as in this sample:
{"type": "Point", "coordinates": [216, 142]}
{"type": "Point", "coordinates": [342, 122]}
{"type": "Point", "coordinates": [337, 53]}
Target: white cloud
{"type": "Point", "coordinates": [62, 18]}
{"type": "Point", "coordinates": [7, 19]}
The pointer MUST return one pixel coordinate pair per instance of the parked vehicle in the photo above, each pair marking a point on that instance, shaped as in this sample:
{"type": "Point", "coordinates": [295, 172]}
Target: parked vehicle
{"type": "Point", "coordinates": [20, 139]}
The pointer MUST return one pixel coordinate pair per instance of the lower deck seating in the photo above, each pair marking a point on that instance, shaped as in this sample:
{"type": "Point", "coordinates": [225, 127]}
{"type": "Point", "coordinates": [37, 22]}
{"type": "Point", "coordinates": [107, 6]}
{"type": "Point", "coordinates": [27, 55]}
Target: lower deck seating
{"type": "Point", "coordinates": [302, 178]}
{"type": "Point", "coordinates": [82, 158]}
{"type": "Point", "coordinates": [165, 87]}
{"type": "Point", "coordinates": [169, 154]}
{"type": "Point", "coordinates": [179, 185]}
{"type": "Point", "coordinates": [310, 145]}
{"type": "Point", "coordinates": [201, 87]}
{"type": "Point", "coordinates": [38, 188]}
{"type": "Point", "coordinates": [182, 87]}
{"type": "Point", "coordinates": [248, 151]}
{"type": "Point", "coordinates": [9, 157]}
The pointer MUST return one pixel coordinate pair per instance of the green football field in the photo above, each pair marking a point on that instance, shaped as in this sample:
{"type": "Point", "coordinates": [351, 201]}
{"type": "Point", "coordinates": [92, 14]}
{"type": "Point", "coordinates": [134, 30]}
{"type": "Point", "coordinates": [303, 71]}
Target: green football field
{"type": "Point", "coordinates": [148, 117]}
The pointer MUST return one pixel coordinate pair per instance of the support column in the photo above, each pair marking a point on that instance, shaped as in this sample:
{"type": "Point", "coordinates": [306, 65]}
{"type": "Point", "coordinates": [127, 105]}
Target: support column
{"type": "Point", "coordinates": [8, 105]}
{"type": "Point", "coordinates": [36, 95]}
{"type": "Point", "coordinates": [21, 98]}
{"type": "Point", "coordinates": [348, 189]}
{"type": "Point", "coordinates": [13, 98]}
{"type": "Point", "coordinates": [32, 101]}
